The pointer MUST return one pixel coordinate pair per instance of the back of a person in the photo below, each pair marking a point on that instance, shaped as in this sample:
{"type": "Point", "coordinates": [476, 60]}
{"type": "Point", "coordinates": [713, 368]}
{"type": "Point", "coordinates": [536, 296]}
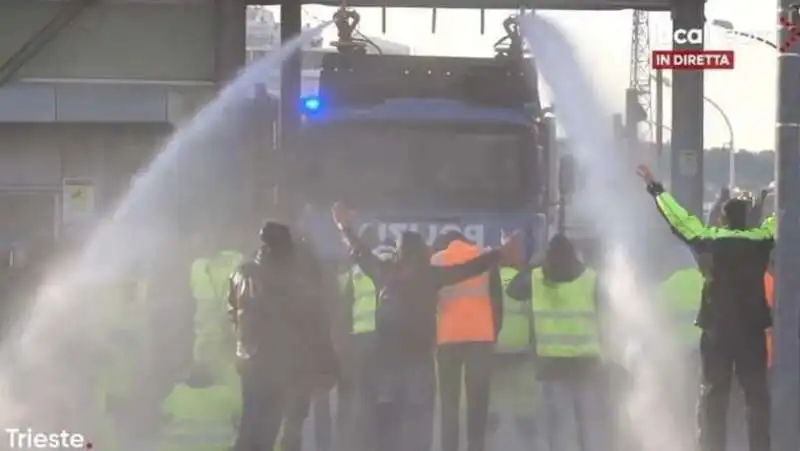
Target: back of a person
{"type": "Point", "coordinates": [271, 318]}
{"type": "Point", "coordinates": [406, 314]}
{"type": "Point", "coordinates": [734, 295]}
{"type": "Point", "coordinates": [564, 311]}
{"type": "Point", "coordinates": [465, 309]}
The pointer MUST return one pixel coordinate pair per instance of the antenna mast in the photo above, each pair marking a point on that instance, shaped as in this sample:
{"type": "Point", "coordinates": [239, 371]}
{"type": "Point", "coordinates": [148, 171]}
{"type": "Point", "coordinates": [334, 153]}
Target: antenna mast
{"type": "Point", "coordinates": [640, 76]}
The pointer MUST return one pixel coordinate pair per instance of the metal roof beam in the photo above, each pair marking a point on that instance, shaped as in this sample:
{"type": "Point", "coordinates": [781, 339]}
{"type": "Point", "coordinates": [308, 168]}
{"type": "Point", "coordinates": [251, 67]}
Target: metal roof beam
{"type": "Point", "coordinates": [597, 5]}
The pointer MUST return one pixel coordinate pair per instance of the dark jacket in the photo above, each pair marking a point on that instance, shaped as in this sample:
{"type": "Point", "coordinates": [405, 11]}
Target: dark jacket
{"type": "Point", "coordinates": [734, 262]}
{"type": "Point", "coordinates": [409, 294]}
{"type": "Point", "coordinates": [520, 288]}
{"type": "Point", "coordinates": [277, 302]}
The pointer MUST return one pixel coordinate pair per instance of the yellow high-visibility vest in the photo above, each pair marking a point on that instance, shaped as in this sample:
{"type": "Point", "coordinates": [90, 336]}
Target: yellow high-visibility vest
{"type": "Point", "coordinates": [201, 419]}
{"type": "Point", "coordinates": [128, 349]}
{"type": "Point", "coordinates": [515, 333]}
{"type": "Point", "coordinates": [210, 282]}
{"type": "Point", "coordinates": [682, 294]}
{"type": "Point", "coordinates": [565, 316]}
{"type": "Point", "coordinates": [209, 276]}
{"type": "Point", "coordinates": [364, 300]}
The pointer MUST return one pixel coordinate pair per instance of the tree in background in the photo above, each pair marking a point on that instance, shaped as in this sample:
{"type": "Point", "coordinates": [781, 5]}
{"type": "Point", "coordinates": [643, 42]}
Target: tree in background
{"type": "Point", "coordinates": [754, 170]}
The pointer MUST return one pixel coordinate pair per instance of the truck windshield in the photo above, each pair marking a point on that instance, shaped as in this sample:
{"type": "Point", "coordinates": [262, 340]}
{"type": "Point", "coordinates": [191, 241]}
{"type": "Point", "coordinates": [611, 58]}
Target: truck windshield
{"type": "Point", "coordinates": [373, 166]}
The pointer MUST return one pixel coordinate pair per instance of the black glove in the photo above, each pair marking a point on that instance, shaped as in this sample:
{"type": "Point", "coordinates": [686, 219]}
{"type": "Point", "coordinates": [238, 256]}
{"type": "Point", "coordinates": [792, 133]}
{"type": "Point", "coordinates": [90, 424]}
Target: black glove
{"type": "Point", "coordinates": [655, 188]}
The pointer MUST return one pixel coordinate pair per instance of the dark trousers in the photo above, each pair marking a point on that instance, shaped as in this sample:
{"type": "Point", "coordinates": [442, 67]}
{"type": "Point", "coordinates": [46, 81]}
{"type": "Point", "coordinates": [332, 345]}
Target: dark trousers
{"type": "Point", "coordinates": [406, 396]}
{"type": "Point", "coordinates": [355, 411]}
{"type": "Point", "coordinates": [745, 355]}
{"type": "Point", "coordinates": [471, 362]}
{"type": "Point", "coordinates": [266, 403]}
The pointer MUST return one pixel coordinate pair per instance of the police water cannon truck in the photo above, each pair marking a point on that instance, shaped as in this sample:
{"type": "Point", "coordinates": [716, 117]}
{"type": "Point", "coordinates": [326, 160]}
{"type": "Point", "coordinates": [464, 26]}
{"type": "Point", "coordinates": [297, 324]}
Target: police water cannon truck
{"type": "Point", "coordinates": [423, 143]}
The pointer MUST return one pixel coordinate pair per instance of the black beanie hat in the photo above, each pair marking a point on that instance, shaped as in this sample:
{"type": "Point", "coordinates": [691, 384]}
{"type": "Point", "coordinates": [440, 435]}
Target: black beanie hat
{"type": "Point", "coordinates": [276, 235]}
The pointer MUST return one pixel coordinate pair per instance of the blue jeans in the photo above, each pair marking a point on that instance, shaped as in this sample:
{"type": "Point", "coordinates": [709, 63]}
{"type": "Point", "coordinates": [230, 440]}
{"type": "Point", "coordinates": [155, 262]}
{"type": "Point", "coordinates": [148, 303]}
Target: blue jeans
{"type": "Point", "coordinates": [578, 402]}
{"type": "Point", "coordinates": [405, 395]}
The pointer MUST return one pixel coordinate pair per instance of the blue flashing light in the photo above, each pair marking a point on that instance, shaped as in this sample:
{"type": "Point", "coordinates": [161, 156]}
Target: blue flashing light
{"type": "Point", "coordinates": [311, 105]}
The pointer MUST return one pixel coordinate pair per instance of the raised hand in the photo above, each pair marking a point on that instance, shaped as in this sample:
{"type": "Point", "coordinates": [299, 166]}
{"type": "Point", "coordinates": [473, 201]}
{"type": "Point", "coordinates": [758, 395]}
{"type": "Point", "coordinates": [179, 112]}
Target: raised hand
{"type": "Point", "coordinates": [342, 216]}
{"type": "Point", "coordinates": [646, 174]}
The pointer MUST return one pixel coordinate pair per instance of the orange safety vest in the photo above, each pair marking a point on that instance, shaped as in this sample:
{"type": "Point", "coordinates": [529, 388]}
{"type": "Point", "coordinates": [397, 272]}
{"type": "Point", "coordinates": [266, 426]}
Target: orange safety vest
{"type": "Point", "coordinates": [769, 290]}
{"type": "Point", "coordinates": [465, 309]}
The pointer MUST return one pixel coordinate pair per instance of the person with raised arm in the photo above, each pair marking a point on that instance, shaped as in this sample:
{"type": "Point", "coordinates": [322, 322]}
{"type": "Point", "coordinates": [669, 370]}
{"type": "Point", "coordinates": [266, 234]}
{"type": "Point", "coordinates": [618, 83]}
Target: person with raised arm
{"type": "Point", "coordinates": [733, 315]}
{"type": "Point", "coordinates": [408, 296]}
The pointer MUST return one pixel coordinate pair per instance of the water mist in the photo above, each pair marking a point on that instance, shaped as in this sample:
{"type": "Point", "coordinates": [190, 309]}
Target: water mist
{"type": "Point", "coordinates": [620, 213]}
{"type": "Point", "coordinates": [48, 378]}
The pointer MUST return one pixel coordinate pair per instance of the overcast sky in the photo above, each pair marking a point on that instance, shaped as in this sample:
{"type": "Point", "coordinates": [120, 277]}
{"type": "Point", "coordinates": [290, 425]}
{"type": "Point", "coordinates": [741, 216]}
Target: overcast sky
{"type": "Point", "coordinates": [746, 94]}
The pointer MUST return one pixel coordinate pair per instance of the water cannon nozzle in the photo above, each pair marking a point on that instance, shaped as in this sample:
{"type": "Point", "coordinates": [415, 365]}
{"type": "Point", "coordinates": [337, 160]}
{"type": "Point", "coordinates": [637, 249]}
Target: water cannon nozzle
{"type": "Point", "coordinates": [510, 45]}
{"type": "Point", "coordinates": [346, 21]}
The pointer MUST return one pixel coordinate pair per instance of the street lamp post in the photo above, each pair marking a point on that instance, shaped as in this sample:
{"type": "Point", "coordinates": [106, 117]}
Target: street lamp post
{"type": "Point", "coordinates": [728, 26]}
{"type": "Point", "coordinates": [661, 80]}
{"type": "Point", "coordinates": [731, 145]}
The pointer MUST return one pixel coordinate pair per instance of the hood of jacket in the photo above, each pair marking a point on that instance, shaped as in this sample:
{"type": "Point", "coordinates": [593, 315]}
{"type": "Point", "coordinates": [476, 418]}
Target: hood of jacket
{"type": "Point", "coordinates": [561, 263]}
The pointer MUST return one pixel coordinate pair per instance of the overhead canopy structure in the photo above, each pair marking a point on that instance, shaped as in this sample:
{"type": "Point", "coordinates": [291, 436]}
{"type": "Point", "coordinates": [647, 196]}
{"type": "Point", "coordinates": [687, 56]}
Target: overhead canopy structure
{"type": "Point", "coordinates": [649, 5]}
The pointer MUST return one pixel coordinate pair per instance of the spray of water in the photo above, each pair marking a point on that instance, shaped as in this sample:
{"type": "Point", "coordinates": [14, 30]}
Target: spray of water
{"type": "Point", "coordinates": [619, 211]}
{"type": "Point", "coordinates": [48, 378]}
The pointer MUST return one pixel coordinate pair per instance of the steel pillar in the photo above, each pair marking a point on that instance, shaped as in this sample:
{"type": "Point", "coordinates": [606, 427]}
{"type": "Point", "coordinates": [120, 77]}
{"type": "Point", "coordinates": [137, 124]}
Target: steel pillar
{"type": "Point", "coordinates": [291, 26]}
{"type": "Point", "coordinates": [660, 122]}
{"type": "Point", "coordinates": [687, 114]}
{"type": "Point", "coordinates": [633, 117]}
{"type": "Point", "coordinates": [786, 370]}
{"type": "Point", "coordinates": [231, 33]}
{"type": "Point", "coordinates": [287, 201]}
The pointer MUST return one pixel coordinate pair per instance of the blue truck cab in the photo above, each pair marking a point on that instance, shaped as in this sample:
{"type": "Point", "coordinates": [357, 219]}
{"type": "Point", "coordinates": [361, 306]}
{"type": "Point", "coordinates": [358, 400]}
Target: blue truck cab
{"type": "Point", "coordinates": [422, 143]}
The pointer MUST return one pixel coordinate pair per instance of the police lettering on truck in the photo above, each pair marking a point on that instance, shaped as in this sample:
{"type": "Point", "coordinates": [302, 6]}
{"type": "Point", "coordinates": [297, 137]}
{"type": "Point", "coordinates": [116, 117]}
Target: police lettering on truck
{"type": "Point", "coordinates": [473, 232]}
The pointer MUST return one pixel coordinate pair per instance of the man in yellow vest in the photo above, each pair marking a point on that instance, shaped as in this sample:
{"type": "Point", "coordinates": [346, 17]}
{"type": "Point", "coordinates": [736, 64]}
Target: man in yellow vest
{"type": "Point", "coordinates": [681, 296]}
{"type": "Point", "coordinates": [513, 398]}
{"type": "Point", "coordinates": [202, 413]}
{"type": "Point", "coordinates": [515, 333]}
{"type": "Point", "coordinates": [566, 342]}
{"type": "Point", "coordinates": [355, 412]}
{"type": "Point", "coordinates": [127, 359]}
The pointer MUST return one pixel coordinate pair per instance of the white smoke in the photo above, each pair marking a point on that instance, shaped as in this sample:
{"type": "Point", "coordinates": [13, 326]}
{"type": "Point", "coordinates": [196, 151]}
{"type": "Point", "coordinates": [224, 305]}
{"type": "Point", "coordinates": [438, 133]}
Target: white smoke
{"type": "Point", "coordinates": [621, 214]}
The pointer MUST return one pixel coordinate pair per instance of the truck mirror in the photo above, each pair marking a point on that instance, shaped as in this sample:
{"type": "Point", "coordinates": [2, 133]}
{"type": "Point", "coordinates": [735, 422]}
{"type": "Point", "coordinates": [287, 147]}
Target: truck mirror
{"type": "Point", "coordinates": [566, 175]}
